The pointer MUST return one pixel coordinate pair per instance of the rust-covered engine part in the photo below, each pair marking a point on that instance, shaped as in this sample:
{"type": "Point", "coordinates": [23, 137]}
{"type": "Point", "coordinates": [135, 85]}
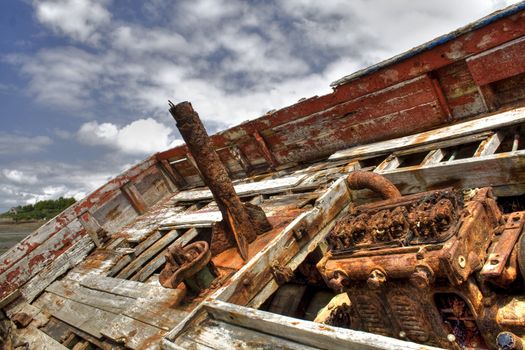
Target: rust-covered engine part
{"type": "Point", "coordinates": [190, 264]}
{"type": "Point", "coordinates": [433, 267]}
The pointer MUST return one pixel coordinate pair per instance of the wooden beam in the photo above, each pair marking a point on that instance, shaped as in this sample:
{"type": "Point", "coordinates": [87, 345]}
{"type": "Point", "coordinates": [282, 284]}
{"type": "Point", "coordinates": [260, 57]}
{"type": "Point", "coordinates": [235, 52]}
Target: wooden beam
{"type": "Point", "coordinates": [499, 170]}
{"type": "Point", "coordinates": [304, 332]}
{"type": "Point", "coordinates": [491, 122]}
{"type": "Point", "coordinates": [134, 197]}
{"type": "Point", "coordinates": [433, 157]}
{"type": "Point", "coordinates": [391, 162]}
{"type": "Point", "coordinates": [490, 144]}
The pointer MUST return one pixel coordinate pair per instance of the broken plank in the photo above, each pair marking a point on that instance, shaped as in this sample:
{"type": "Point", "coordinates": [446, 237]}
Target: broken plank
{"type": "Point", "coordinates": [304, 332]}
{"type": "Point", "coordinates": [499, 120]}
{"type": "Point", "coordinates": [84, 317]}
{"type": "Point", "coordinates": [126, 259]}
{"type": "Point", "coordinates": [69, 259]}
{"type": "Point", "coordinates": [95, 298]}
{"type": "Point", "coordinates": [140, 260]}
{"type": "Point", "coordinates": [37, 340]}
{"type": "Point", "coordinates": [146, 271]}
{"type": "Point", "coordinates": [130, 289]}
{"type": "Point", "coordinates": [134, 334]}
{"type": "Point", "coordinates": [245, 189]}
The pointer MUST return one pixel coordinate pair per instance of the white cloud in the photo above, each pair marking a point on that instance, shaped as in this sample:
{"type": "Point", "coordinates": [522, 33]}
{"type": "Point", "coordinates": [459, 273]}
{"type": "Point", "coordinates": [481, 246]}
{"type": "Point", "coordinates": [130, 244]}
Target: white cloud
{"type": "Point", "coordinates": [11, 144]}
{"type": "Point", "coordinates": [232, 59]}
{"type": "Point", "coordinates": [78, 19]}
{"type": "Point", "coordinates": [143, 136]}
{"type": "Point", "coordinates": [19, 176]}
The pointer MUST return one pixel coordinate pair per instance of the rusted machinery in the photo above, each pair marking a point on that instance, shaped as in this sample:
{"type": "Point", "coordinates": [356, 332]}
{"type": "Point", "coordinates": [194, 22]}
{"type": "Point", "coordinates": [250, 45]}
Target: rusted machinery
{"type": "Point", "coordinates": [190, 264]}
{"type": "Point", "coordinates": [441, 267]}
{"type": "Point", "coordinates": [241, 222]}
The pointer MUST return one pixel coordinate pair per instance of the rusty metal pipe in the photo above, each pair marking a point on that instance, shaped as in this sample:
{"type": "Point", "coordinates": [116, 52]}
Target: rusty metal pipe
{"type": "Point", "coordinates": [359, 180]}
{"type": "Point", "coordinates": [236, 215]}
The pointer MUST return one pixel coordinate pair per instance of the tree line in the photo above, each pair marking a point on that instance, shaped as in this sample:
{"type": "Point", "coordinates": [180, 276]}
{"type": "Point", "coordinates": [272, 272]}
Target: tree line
{"type": "Point", "coordinates": [42, 210]}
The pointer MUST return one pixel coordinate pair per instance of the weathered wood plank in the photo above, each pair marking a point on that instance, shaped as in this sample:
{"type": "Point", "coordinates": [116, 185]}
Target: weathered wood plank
{"type": "Point", "coordinates": [294, 263]}
{"type": "Point", "coordinates": [225, 336]}
{"type": "Point", "coordinates": [128, 258]}
{"type": "Point", "coordinates": [499, 120]}
{"type": "Point", "coordinates": [246, 189]}
{"type": "Point", "coordinates": [158, 314]}
{"type": "Point", "coordinates": [148, 269]}
{"type": "Point", "coordinates": [489, 145]}
{"type": "Point", "coordinates": [134, 197]}
{"type": "Point", "coordinates": [462, 140]}
{"type": "Point", "coordinates": [433, 157]}
{"type": "Point", "coordinates": [43, 255]}
{"type": "Point", "coordinates": [502, 169]}
{"type": "Point", "coordinates": [38, 340]}
{"type": "Point", "coordinates": [140, 260]}
{"type": "Point", "coordinates": [304, 332]}
{"type": "Point", "coordinates": [391, 162]}
{"type": "Point", "coordinates": [130, 289]}
{"type": "Point", "coordinates": [69, 259]}
{"type": "Point", "coordinates": [98, 299]}
{"type": "Point", "coordinates": [84, 317]}
{"type": "Point", "coordinates": [134, 334]}
{"type": "Point", "coordinates": [192, 219]}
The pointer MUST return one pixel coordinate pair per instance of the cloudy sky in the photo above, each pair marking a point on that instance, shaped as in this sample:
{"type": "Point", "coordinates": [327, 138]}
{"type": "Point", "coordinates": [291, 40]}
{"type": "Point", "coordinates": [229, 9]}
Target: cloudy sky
{"type": "Point", "coordinates": [84, 84]}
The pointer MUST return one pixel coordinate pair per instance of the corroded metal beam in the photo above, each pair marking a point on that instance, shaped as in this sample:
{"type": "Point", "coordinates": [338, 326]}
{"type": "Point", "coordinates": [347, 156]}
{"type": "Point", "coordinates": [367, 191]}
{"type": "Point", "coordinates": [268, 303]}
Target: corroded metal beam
{"type": "Point", "coordinates": [238, 219]}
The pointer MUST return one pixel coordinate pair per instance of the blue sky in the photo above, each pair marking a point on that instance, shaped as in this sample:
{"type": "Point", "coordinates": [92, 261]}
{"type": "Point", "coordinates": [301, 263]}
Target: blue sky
{"type": "Point", "coordinates": [84, 84]}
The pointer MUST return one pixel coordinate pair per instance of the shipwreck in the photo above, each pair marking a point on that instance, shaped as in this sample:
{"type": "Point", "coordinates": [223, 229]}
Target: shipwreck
{"type": "Point", "coordinates": [387, 214]}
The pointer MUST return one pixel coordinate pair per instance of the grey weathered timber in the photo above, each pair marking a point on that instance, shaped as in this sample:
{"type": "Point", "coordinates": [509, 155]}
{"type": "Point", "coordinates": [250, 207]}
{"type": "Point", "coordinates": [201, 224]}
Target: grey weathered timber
{"type": "Point", "coordinates": [145, 272]}
{"type": "Point", "coordinates": [69, 259]}
{"type": "Point", "coordinates": [245, 189]}
{"type": "Point", "coordinates": [101, 300]}
{"type": "Point", "coordinates": [148, 253]}
{"type": "Point", "coordinates": [132, 333]}
{"type": "Point", "coordinates": [126, 259]}
{"type": "Point", "coordinates": [490, 144]}
{"type": "Point", "coordinates": [38, 340]}
{"type": "Point", "coordinates": [219, 335]}
{"type": "Point", "coordinates": [304, 332]}
{"type": "Point", "coordinates": [84, 317]}
{"type": "Point", "coordinates": [499, 170]}
{"type": "Point", "coordinates": [130, 289]}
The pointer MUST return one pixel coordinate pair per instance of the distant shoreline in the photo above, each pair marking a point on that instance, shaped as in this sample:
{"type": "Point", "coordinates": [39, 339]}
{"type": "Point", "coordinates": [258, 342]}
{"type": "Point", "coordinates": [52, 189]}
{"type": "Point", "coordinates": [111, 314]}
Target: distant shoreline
{"type": "Point", "coordinates": [12, 232]}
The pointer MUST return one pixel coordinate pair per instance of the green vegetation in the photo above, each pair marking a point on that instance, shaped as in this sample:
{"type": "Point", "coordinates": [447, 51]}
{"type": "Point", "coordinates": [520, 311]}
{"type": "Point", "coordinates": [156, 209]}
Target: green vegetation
{"type": "Point", "coordinates": [39, 211]}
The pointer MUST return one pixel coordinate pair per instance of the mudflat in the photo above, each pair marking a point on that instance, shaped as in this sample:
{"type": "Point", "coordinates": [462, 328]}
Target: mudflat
{"type": "Point", "coordinates": [11, 233]}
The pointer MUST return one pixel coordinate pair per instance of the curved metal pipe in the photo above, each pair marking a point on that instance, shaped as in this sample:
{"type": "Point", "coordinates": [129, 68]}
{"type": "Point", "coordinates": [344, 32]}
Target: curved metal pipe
{"type": "Point", "coordinates": [358, 180]}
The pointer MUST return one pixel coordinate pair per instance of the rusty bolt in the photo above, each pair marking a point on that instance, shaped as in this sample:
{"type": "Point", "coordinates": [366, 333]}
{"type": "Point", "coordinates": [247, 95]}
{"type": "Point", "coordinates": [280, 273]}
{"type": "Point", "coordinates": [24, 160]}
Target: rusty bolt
{"type": "Point", "coordinates": [376, 279]}
{"type": "Point", "coordinates": [422, 277]}
{"type": "Point", "coordinates": [338, 281]}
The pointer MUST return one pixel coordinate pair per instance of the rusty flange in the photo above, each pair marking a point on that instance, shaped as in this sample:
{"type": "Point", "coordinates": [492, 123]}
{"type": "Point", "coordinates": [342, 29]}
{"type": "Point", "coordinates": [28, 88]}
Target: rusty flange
{"type": "Point", "coordinates": [186, 264]}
